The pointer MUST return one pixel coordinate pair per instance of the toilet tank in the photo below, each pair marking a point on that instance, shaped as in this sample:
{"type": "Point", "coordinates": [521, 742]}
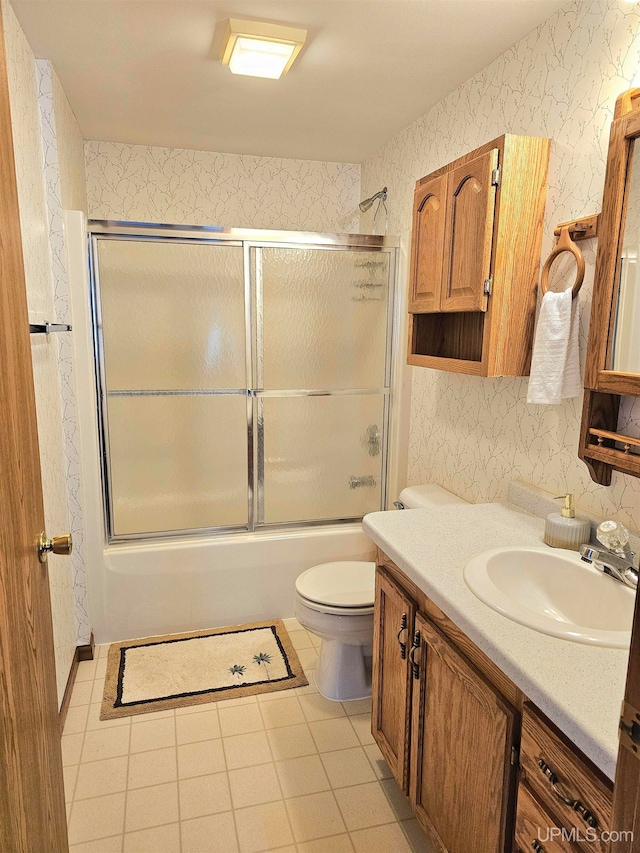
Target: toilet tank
{"type": "Point", "coordinates": [418, 497]}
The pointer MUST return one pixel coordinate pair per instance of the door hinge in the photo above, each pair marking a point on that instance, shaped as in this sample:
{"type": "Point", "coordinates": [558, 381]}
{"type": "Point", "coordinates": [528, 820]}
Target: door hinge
{"type": "Point", "coordinates": [495, 177]}
{"type": "Point", "coordinates": [629, 730]}
{"type": "Point", "coordinates": [488, 286]}
{"type": "Point", "coordinates": [515, 756]}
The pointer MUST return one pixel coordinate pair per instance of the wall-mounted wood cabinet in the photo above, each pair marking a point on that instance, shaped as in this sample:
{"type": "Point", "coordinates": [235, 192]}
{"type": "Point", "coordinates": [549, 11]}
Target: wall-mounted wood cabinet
{"type": "Point", "coordinates": [464, 743]}
{"type": "Point", "coordinates": [475, 258]}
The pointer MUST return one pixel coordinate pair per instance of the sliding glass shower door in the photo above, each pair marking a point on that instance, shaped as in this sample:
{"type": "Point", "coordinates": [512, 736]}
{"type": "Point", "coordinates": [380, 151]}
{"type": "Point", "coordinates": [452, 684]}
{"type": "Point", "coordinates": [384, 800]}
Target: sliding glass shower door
{"type": "Point", "coordinates": [242, 383]}
{"type": "Point", "coordinates": [173, 333]}
{"type": "Point", "coordinates": [322, 371]}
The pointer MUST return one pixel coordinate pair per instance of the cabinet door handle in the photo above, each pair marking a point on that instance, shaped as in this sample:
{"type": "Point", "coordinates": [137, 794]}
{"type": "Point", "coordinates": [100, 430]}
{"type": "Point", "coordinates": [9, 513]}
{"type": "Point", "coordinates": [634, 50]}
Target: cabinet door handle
{"type": "Point", "coordinates": [415, 666]}
{"type": "Point", "coordinates": [403, 645]}
{"type": "Point", "coordinates": [537, 846]}
{"type": "Point", "coordinates": [588, 817]}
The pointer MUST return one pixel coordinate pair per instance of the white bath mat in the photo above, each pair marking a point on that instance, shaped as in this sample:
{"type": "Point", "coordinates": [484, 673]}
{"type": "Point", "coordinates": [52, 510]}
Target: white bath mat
{"type": "Point", "coordinates": [173, 671]}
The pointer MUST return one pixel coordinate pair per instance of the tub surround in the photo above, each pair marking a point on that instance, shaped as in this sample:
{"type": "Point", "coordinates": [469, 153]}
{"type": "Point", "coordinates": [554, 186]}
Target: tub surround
{"type": "Point", "coordinates": [578, 687]}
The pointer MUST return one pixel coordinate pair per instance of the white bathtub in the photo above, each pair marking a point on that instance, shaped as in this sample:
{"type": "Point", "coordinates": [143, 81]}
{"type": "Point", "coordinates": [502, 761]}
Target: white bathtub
{"type": "Point", "coordinates": [189, 584]}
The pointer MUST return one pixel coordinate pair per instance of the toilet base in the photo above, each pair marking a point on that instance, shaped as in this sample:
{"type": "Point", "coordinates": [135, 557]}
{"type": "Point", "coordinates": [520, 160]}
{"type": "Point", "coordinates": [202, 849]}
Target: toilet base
{"type": "Point", "coordinates": [343, 672]}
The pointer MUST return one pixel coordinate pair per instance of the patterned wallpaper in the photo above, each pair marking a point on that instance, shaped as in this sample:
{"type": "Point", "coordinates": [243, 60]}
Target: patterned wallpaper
{"type": "Point", "coordinates": [40, 262]}
{"type": "Point", "coordinates": [473, 435]}
{"type": "Point", "coordinates": [146, 184]}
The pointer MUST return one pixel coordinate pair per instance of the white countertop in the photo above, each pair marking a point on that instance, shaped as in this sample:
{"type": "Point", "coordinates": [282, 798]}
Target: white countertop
{"type": "Point", "coordinates": [579, 687]}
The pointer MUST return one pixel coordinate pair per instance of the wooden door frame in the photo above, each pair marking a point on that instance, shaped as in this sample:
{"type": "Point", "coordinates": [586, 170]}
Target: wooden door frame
{"type": "Point", "coordinates": [32, 808]}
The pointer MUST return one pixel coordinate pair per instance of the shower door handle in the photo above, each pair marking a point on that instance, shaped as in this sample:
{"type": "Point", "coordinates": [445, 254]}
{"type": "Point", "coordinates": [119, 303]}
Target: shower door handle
{"type": "Point", "coordinates": [367, 481]}
{"type": "Point", "coordinates": [372, 440]}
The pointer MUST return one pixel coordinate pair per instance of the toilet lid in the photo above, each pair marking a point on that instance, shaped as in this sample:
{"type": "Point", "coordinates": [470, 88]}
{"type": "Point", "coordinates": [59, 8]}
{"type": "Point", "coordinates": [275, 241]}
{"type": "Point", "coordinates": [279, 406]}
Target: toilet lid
{"type": "Point", "coordinates": [343, 584]}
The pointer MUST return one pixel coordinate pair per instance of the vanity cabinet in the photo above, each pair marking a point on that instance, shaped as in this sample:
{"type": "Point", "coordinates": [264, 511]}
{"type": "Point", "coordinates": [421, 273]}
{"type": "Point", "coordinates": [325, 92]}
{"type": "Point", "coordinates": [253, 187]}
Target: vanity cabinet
{"type": "Point", "coordinates": [447, 731]}
{"type": "Point", "coordinates": [462, 748]}
{"type": "Point", "coordinates": [464, 743]}
{"type": "Point", "coordinates": [476, 240]}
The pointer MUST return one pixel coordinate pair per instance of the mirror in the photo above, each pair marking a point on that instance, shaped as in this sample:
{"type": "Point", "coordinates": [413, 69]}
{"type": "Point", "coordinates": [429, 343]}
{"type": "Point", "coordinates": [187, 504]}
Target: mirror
{"type": "Point", "coordinates": [612, 371]}
{"type": "Point", "coordinates": [625, 344]}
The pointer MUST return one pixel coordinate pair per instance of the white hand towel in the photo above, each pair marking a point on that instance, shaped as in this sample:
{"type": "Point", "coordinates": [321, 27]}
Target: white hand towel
{"type": "Point", "coordinates": [555, 366]}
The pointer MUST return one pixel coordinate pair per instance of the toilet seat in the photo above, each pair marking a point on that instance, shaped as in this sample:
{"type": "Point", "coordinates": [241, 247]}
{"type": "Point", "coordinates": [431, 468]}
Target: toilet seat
{"type": "Point", "coordinates": [346, 587]}
{"type": "Point", "coordinates": [337, 611]}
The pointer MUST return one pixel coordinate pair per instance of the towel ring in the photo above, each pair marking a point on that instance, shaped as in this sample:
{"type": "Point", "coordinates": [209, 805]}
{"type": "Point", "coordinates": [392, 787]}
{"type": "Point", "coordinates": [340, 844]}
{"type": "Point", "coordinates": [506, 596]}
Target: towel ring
{"type": "Point", "coordinates": [564, 244]}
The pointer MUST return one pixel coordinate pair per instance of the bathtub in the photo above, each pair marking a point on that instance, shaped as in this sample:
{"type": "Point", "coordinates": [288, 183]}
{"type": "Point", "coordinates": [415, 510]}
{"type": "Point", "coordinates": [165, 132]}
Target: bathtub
{"type": "Point", "coordinates": [130, 590]}
{"type": "Point", "coordinates": [191, 584]}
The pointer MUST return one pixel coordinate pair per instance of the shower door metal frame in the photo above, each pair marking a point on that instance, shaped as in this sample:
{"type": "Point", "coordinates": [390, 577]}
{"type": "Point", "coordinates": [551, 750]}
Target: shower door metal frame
{"type": "Point", "coordinates": [251, 241]}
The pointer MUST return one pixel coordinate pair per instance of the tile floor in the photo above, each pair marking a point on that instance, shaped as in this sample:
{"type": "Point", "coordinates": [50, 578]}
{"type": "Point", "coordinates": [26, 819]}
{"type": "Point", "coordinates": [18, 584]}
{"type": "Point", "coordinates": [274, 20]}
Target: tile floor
{"type": "Point", "coordinates": [285, 771]}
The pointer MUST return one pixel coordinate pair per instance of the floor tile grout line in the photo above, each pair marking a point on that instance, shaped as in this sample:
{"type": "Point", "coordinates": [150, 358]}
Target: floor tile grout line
{"type": "Point", "coordinates": [274, 761]}
{"type": "Point", "coordinates": [384, 791]}
{"type": "Point", "coordinates": [123, 834]}
{"type": "Point", "coordinates": [102, 838]}
{"type": "Point", "coordinates": [126, 782]}
{"type": "Point", "coordinates": [175, 737]}
{"type": "Point", "coordinates": [378, 826]}
{"type": "Point", "coordinates": [409, 842]}
{"type": "Point", "coordinates": [275, 770]}
{"type": "Point", "coordinates": [226, 770]}
{"type": "Point", "coordinates": [79, 762]}
{"type": "Point", "coordinates": [320, 838]}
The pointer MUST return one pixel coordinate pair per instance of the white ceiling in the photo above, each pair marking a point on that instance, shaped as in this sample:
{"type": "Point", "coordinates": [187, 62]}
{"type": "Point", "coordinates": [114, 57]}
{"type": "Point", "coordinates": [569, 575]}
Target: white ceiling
{"type": "Point", "coordinates": [147, 71]}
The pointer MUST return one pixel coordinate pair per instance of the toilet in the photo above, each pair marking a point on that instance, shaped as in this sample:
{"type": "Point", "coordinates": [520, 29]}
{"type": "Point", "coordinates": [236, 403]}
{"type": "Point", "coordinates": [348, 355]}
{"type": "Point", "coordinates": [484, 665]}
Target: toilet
{"type": "Point", "coordinates": [334, 601]}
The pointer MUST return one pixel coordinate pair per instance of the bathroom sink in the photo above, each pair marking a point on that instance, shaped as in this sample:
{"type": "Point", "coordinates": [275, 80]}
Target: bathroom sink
{"type": "Point", "coordinates": [553, 591]}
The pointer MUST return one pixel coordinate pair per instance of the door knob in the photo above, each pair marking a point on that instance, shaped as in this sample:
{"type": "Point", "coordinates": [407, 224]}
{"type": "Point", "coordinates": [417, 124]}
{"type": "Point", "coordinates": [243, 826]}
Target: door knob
{"type": "Point", "coordinates": [59, 545]}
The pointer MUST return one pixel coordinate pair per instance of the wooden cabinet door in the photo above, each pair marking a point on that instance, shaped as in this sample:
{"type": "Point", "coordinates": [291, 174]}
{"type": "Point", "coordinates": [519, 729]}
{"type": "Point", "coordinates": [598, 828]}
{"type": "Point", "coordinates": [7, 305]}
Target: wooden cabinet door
{"type": "Point", "coordinates": [462, 738]}
{"type": "Point", "coordinates": [391, 680]}
{"type": "Point", "coordinates": [427, 248]}
{"type": "Point", "coordinates": [471, 195]}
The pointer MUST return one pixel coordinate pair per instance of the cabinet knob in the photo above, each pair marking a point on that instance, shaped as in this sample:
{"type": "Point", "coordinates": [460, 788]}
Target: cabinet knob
{"type": "Point", "coordinates": [58, 545]}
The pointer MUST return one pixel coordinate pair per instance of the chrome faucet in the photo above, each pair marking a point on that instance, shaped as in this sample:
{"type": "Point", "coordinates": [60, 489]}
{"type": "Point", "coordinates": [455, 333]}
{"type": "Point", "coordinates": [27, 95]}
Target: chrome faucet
{"type": "Point", "coordinates": [616, 558]}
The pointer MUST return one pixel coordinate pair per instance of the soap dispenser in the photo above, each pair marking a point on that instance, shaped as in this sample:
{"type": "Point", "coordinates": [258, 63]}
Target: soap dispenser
{"type": "Point", "coordinates": [564, 530]}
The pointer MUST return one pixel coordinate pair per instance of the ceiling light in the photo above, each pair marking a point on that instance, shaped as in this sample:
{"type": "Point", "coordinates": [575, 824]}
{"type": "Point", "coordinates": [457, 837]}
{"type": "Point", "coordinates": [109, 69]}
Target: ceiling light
{"type": "Point", "coordinates": [258, 49]}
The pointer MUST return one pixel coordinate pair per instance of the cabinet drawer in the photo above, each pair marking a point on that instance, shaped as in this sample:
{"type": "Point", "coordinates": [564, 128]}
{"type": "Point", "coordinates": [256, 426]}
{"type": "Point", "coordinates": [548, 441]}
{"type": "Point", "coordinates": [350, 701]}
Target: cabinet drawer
{"type": "Point", "coordinates": [556, 773]}
{"type": "Point", "coordinates": [536, 829]}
